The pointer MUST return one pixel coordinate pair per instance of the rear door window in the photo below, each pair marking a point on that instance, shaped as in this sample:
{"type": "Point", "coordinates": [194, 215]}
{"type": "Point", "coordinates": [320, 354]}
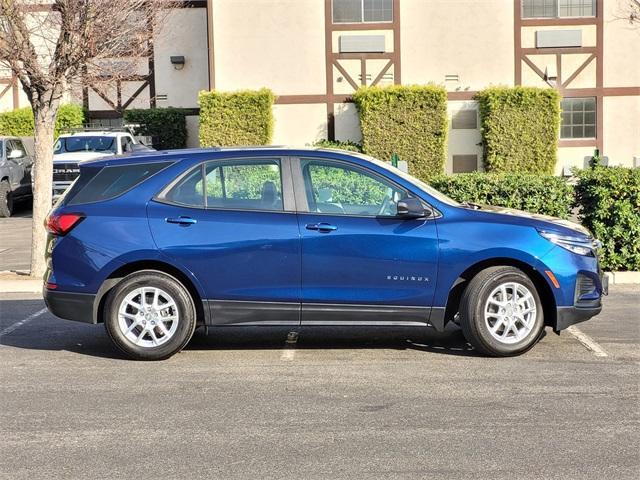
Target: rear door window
{"type": "Point", "coordinates": [236, 185]}
{"type": "Point", "coordinates": [111, 182]}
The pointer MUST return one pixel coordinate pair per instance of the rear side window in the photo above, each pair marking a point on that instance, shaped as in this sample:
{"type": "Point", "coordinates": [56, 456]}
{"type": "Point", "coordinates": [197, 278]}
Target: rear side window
{"type": "Point", "coordinates": [237, 185]}
{"type": "Point", "coordinates": [110, 182]}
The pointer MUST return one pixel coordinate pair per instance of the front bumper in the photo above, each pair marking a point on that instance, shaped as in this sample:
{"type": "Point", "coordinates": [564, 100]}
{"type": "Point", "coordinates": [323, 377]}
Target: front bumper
{"type": "Point", "coordinates": [70, 306]}
{"type": "Point", "coordinates": [567, 316]}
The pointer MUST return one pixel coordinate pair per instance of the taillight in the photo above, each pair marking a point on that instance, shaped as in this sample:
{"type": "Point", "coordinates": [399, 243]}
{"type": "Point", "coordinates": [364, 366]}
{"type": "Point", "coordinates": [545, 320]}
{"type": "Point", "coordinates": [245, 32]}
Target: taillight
{"type": "Point", "coordinates": [61, 224]}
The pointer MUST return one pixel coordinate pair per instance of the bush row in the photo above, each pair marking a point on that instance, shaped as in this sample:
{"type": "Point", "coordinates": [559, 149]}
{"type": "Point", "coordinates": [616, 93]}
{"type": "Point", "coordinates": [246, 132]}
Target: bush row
{"type": "Point", "coordinates": [607, 200]}
{"type": "Point", "coordinates": [544, 194]}
{"type": "Point", "coordinates": [166, 126]}
{"type": "Point", "coordinates": [19, 122]}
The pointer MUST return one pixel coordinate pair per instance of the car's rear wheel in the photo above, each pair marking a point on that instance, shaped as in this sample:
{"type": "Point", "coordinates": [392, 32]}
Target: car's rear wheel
{"type": "Point", "coordinates": [6, 199]}
{"type": "Point", "coordinates": [500, 312]}
{"type": "Point", "coordinates": [149, 315]}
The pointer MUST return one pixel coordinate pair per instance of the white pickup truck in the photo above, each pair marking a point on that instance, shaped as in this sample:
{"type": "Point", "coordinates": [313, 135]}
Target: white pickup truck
{"type": "Point", "coordinates": [72, 148]}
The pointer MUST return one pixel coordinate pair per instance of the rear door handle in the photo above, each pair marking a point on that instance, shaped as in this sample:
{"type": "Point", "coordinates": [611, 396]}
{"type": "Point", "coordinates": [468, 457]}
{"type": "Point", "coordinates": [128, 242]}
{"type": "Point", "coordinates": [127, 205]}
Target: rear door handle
{"type": "Point", "coordinates": [321, 227]}
{"type": "Point", "coordinates": [181, 220]}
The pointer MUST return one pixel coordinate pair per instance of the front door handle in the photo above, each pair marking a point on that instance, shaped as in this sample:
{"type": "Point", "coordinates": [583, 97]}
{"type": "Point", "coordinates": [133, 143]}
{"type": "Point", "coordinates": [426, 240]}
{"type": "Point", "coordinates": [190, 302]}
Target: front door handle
{"type": "Point", "coordinates": [181, 220]}
{"type": "Point", "coordinates": [321, 227]}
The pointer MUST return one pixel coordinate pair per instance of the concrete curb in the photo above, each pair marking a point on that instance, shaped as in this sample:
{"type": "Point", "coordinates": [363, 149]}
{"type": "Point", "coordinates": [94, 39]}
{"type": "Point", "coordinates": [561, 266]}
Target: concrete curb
{"type": "Point", "coordinates": [621, 278]}
{"type": "Point", "coordinates": [20, 285]}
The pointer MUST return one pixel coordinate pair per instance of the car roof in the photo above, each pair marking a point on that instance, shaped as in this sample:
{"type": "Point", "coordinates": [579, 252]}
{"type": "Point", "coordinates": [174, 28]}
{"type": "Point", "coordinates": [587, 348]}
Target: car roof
{"type": "Point", "coordinates": [214, 153]}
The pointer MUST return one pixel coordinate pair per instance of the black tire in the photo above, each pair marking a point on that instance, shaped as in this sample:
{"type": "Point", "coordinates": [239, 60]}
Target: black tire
{"type": "Point", "coordinates": [6, 199]}
{"type": "Point", "coordinates": [184, 305]}
{"type": "Point", "coordinates": [472, 312]}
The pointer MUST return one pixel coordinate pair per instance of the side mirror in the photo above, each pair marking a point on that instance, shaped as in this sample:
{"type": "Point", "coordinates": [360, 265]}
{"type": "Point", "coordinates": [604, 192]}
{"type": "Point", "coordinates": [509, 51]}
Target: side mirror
{"type": "Point", "coordinates": [411, 208]}
{"type": "Point", "coordinates": [15, 154]}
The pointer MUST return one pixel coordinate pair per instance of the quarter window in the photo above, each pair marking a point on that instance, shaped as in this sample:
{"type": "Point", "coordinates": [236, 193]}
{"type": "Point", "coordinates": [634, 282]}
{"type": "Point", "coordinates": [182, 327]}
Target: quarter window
{"type": "Point", "coordinates": [558, 8]}
{"type": "Point", "coordinates": [359, 11]}
{"type": "Point", "coordinates": [332, 188]}
{"type": "Point", "coordinates": [578, 118]}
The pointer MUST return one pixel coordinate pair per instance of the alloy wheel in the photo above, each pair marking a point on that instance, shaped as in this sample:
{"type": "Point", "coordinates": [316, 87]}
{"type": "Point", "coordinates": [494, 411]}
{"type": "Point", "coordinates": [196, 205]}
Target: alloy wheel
{"type": "Point", "coordinates": [510, 312]}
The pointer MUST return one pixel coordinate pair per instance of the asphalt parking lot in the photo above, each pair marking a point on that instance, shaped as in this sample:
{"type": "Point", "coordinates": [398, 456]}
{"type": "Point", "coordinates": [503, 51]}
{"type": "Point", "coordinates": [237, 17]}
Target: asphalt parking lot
{"type": "Point", "coordinates": [15, 239]}
{"type": "Point", "coordinates": [344, 403]}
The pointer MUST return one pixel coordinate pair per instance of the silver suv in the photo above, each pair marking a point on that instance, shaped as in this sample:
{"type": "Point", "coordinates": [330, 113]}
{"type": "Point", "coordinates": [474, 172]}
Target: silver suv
{"type": "Point", "coordinates": [15, 174]}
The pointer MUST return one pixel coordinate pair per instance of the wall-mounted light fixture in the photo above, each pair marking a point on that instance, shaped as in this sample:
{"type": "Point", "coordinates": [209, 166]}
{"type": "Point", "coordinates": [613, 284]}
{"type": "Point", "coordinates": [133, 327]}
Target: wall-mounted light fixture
{"type": "Point", "coordinates": [177, 61]}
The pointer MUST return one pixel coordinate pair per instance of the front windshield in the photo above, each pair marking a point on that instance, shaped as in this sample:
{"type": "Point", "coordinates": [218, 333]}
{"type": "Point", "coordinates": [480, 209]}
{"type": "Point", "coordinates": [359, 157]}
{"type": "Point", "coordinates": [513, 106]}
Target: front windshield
{"type": "Point", "coordinates": [86, 144]}
{"type": "Point", "coordinates": [413, 180]}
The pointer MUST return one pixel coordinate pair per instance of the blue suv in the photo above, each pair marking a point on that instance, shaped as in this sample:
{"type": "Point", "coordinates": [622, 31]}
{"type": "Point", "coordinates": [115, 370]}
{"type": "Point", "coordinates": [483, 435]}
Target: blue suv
{"type": "Point", "coordinates": [155, 245]}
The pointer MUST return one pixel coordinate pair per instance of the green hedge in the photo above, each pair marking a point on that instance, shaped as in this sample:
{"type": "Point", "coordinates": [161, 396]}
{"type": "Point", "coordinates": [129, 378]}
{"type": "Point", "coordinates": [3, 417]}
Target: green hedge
{"type": "Point", "coordinates": [520, 128]}
{"type": "Point", "coordinates": [236, 118]}
{"type": "Point", "coordinates": [410, 121]}
{"type": "Point", "coordinates": [547, 195]}
{"type": "Point", "coordinates": [19, 122]}
{"type": "Point", "coordinates": [167, 126]}
{"type": "Point", "coordinates": [609, 202]}
{"type": "Point", "coordinates": [342, 145]}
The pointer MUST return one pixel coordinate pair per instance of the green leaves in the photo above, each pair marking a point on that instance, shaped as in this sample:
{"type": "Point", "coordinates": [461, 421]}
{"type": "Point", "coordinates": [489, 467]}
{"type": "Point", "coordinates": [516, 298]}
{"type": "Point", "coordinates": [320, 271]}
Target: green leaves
{"type": "Point", "coordinates": [547, 195]}
{"type": "Point", "coordinates": [520, 128]}
{"type": "Point", "coordinates": [167, 126]}
{"type": "Point", "coordinates": [410, 121]}
{"type": "Point", "coordinates": [236, 118]}
{"type": "Point", "coordinates": [19, 122]}
{"type": "Point", "coordinates": [609, 202]}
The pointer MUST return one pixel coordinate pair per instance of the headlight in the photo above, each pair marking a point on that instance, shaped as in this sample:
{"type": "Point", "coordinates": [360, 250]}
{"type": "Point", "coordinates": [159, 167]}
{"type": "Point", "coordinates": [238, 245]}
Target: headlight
{"type": "Point", "coordinates": [577, 244]}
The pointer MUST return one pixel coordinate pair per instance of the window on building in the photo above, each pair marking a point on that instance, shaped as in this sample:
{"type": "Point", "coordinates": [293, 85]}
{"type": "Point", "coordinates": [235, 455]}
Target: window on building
{"type": "Point", "coordinates": [558, 8]}
{"type": "Point", "coordinates": [578, 118]}
{"type": "Point", "coordinates": [359, 11]}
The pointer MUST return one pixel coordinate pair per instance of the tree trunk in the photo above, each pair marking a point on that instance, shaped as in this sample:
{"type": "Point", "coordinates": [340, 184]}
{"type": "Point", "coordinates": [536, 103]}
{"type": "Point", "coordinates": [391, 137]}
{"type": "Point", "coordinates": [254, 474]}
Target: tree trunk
{"type": "Point", "coordinates": [44, 117]}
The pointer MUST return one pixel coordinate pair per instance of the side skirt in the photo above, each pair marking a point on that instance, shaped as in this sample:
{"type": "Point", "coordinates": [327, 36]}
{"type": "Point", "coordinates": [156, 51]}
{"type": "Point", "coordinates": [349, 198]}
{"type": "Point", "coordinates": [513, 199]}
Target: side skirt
{"type": "Point", "coordinates": [232, 312]}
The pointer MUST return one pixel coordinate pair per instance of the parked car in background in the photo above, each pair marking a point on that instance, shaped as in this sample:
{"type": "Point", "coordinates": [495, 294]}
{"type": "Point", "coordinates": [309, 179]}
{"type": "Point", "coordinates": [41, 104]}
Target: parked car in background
{"type": "Point", "coordinates": [155, 245]}
{"type": "Point", "coordinates": [88, 144]}
{"type": "Point", "coordinates": [15, 174]}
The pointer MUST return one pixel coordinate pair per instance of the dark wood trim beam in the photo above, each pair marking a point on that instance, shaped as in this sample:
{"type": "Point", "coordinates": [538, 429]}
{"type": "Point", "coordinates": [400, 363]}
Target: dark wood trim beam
{"type": "Point", "coordinates": [581, 142]}
{"type": "Point", "coordinates": [384, 70]}
{"type": "Point", "coordinates": [517, 42]}
{"type": "Point", "coordinates": [549, 22]}
{"type": "Point", "coordinates": [300, 99]}
{"type": "Point", "coordinates": [579, 70]}
{"type": "Point", "coordinates": [338, 27]}
{"type": "Point", "coordinates": [533, 67]}
{"type": "Point", "coordinates": [397, 50]}
{"type": "Point", "coordinates": [551, 51]}
{"type": "Point", "coordinates": [328, 62]}
{"type": "Point", "coordinates": [210, 46]}
{"type": "Point", "coordinates": [468, 95]}
{"type": "Point", "coordinates": [346, 75]}
{"type": "Point", "coordinates": [135, 94]}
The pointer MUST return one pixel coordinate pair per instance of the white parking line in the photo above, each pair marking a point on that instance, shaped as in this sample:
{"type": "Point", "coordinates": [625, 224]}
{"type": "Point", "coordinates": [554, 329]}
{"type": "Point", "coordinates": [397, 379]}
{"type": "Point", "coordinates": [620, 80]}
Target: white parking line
{"type": "Point", "coordinates": [588, 342]}
{"type": "Point", "coordinates": [20, 323]}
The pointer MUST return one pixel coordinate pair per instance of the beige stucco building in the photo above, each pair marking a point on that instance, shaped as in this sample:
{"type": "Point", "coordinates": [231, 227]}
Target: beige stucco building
{"type": "Point", "coordinates": [314, 53]}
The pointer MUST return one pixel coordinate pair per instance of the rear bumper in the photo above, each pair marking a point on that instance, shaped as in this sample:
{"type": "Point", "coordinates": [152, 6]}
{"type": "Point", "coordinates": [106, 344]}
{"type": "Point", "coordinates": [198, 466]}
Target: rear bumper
{"type": "Point", "coordinates": [567, 316]}
{"type": "Point", "coordinates": [70, 306]}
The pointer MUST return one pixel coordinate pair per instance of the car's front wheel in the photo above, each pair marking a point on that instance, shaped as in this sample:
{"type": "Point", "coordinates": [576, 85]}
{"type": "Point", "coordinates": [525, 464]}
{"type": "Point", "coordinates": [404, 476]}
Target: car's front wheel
{"type": "Point", "coordinates": [149, 315]}
{"type": "Point", "coordinates": [500, 312]}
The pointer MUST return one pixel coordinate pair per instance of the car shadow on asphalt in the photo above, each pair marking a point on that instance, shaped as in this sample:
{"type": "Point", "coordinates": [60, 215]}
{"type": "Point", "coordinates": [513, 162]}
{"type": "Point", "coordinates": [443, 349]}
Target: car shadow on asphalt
{"type": "Point", "coordinates": [50, 333]}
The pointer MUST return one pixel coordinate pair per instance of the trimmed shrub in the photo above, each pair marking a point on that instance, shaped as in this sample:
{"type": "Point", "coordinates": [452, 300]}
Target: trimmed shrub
{"type": "Point", "coordinates": [346, 145]}
{"type": "Point", "coordinates": [410, 121]}
{"type": "Point", "coordinates": [547, 195]}
{"type": "Point", "coordinates": [166, 126]}
{"type": "Point", "coordinates": [19, 122]}
{"type": "Point", "coordinates": [609, 202]}
{"type": "Point", "coordinates": [520, 129]}
{"type": "Point", "coordinates": [236, 118]}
